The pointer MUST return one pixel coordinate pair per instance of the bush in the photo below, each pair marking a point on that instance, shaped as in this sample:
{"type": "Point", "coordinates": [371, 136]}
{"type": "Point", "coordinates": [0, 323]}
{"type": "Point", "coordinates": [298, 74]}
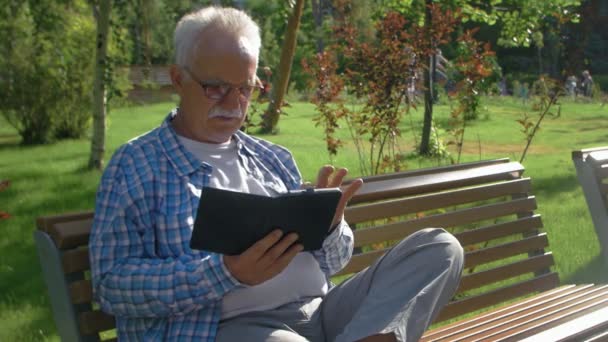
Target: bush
{"type": "Point", "coordinates": [46, 69]}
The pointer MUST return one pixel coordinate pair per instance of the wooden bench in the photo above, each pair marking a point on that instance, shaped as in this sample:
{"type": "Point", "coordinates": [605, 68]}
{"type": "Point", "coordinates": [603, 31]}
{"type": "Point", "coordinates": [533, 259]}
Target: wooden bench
{"type": "Point", "coordinates": [592, 171]}
{"type": "Point", "coordinates": [486, 205]}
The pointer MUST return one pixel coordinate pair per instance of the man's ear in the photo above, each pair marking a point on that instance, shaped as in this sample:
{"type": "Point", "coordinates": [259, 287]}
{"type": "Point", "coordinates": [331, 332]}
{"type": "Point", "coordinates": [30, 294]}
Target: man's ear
{"type": "Point", "coordinates": [177, 78]}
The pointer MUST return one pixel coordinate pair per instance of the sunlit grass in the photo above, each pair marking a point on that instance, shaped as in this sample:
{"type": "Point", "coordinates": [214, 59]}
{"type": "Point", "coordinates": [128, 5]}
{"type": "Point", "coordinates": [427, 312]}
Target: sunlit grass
{"type": "Point", "coordinates": [53, 179]}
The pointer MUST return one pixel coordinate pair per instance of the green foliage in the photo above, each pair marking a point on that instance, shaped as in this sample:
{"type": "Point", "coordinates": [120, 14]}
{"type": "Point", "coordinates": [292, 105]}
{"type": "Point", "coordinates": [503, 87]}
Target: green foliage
{"type": "Point", "coordinates": [547, 93]}
{"type": "Point", "coordinates": [46, 69]}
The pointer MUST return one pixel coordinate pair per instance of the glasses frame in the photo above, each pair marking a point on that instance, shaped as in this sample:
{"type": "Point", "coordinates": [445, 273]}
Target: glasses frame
{"type": "Point", "coordinates": [219, 86]}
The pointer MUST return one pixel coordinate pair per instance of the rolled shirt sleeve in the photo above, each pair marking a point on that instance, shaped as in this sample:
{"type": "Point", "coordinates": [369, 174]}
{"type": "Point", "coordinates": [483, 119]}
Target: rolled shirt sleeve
{"type": "Point", "coordinates": [337, 249]}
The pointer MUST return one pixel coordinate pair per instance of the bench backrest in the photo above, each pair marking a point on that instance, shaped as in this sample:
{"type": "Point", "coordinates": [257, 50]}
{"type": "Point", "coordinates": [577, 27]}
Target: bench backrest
{"type": "Point", "coordinates": [487, 205]}
{"type": "Point", "coordinates": [592, 172]}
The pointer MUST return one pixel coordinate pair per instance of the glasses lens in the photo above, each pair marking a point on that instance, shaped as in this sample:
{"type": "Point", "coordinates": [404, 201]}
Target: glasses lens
{"type": "Point", "coordinates": [216, 92]}
{"type": "Point", "coordinates": [246, 91]}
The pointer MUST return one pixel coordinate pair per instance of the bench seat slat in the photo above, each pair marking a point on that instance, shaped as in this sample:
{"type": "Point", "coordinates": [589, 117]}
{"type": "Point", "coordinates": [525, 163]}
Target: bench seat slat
{"type": "Point", "coordinates": [550, 319]}
{"type": "Point", "coordinates": [538, 284]}
{"type": "Point", "coordinates": [391, 188]}
{"type": "Point", "coordinates": [530, 315]}
{"type": "Point", "coordinates": [517, 308]}
{"type": "Point", "coordinates": [399, 230]}
{"type": "Point", "coordinates": [395, 207]}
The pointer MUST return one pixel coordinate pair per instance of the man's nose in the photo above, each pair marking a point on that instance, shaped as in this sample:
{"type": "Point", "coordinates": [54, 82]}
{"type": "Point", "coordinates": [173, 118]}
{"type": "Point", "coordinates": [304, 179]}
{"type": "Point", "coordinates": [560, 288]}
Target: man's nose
{"type": "Point", "coordinates": [232, 99]}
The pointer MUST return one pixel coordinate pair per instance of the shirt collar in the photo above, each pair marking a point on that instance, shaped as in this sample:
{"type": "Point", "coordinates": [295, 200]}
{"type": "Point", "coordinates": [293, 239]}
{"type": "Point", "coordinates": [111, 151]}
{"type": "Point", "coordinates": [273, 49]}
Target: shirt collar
{"type": "Point", "coordinates": [184, 162]}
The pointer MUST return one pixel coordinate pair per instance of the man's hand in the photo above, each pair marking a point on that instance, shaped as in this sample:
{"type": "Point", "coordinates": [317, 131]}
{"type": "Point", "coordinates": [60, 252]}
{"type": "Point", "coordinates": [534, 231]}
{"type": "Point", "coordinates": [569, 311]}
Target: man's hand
{"type": "Point", "coordinates": [328, 177]}
{"type": "Point", "coordinates": [265, 259]}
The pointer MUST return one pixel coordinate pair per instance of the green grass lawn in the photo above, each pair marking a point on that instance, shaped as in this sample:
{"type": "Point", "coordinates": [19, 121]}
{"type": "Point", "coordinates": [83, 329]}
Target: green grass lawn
{"type": "Point", "coordinates": [52, 179]}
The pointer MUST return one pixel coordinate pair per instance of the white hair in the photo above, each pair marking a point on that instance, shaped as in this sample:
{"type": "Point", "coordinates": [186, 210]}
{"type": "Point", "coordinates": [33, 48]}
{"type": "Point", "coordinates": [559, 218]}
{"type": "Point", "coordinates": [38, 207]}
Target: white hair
{"type": "Point", "coordinates": [228, 20]}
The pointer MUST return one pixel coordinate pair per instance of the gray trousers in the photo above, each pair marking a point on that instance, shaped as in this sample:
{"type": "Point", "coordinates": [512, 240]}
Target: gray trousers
{"type": "Point", "coordinates": [402, 292]}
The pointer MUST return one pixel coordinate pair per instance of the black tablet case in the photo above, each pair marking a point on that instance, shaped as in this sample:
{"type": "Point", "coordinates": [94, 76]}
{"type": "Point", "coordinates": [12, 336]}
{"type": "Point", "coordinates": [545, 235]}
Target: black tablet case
{"type": "Point", "coordinates": [229, 222]}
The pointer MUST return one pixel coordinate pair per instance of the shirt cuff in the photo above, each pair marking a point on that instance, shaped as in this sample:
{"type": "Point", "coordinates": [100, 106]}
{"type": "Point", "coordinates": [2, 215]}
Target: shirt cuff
{"type": "Point", "coordinates": [334, 233]}
{"type": "Point", "coordinates": [229, 275]}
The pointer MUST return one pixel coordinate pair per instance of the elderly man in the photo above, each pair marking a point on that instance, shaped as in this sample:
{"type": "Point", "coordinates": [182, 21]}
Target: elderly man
{"type": "Point", "coordinates": [144, 272]}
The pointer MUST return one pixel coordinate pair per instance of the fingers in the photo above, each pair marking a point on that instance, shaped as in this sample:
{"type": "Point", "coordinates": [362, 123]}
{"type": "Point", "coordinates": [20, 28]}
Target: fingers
{"type": "Point", "coordinates": [279, 263]}
{"type": "Point", "coordinates": [258, 249]}
{"type": "Point", "coordinates": [347, 194]}
{"type": "Point", "coordinates": [276, 252]}
{"type": "Point", "coordinates": [351, 189]}
{"type": "Point", "coordinates": [323, 176]}
{"type": "Point", "coordinates": [265, 259]}
{"type": "Point", "coordinates": [338, 177]}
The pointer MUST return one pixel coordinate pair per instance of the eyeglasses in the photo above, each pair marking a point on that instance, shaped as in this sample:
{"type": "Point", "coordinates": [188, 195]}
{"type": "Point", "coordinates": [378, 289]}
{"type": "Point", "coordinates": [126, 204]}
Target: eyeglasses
{"type": "Point", "coordinates": [216, 91]}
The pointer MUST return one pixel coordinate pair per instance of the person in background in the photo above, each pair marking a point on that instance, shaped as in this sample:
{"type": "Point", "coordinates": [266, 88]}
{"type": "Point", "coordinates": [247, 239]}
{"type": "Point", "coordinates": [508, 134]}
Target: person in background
{"type": "Point", "coordinates": [159, 289]}
{"type": "Point", "coordinates": [587, 84]}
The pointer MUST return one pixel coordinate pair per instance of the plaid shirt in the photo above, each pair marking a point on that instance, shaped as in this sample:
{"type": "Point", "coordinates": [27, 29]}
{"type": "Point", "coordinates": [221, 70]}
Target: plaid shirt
{"type": "Point", "coordinates": [143, 270]}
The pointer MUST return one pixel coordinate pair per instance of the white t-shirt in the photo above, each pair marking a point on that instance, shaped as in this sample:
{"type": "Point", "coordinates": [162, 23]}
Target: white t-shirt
{"type": "Point", "coordinates": [301, 278]}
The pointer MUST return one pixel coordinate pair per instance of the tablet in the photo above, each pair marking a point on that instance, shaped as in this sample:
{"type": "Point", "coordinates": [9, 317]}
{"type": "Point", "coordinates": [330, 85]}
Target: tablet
{"type": "Point", "coordinates": [229, 222]}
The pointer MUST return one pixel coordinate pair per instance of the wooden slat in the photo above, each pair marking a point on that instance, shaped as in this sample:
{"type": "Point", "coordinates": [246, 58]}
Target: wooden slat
{"type": "Point", "coordinates": [398, 230]}
{"type": "Point", "coordinates": [588, 327]}
{"type": "Point", "coordinates": [432, 170]}
{"type": "Point", "coordinates": [598, 157]}
{"type": "Point", "coordinates": [499, 230]}
{"type": "Point", "coordinates": [490, 318]}
{"type": "Point", "coordinates": [76, 260]}
{"type": "Point", "coordinates": [551, 318]}
{"type": "Point", "coordinates": [601, 172]}
{"type": "Point", "coordinates": [514, 319]}
{"type": "Point", "coordinates": [71, 234]}
{"type": "Point", "coordinates": [392, 188]}
{"type": "Point", "coordinates": [584, 152]}
{"type": "Point", "coordinates": [506, 250]}
{"type": "Point", "coordinates": [390, 208]}
{"type": "Point", "coordinates": [44, 223]}
{"type": "Point", "coordinates": [538, 284]}
{"type": "Point", "coordinates": [93, 322]}
{"type": "Point", "coordinates": [81, 291]}
{"type": "Point", "coordinates": [595, 336]}
{"type": "Point", "coordinates": [474, 258]}
{"type": "Point", "coordinates": [530, 265]}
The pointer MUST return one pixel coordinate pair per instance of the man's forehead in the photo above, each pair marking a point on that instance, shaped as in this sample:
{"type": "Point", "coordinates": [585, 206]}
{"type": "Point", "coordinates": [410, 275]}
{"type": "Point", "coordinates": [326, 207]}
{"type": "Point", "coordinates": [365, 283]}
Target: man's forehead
{"type": "Point", "coordinates": [216, 42]}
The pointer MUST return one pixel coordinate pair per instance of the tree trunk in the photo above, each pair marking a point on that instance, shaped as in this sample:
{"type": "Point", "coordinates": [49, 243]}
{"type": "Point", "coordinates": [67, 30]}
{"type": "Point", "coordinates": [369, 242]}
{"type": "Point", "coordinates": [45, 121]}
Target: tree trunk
{"type": "Point", "coordinates": [271, 116]}
{"type": "Point", "coordinates": [428, 92]}
{"type": "Point", "coordinates": [317, 13]}
{"type": "Point", "coordinates": [102, 18]}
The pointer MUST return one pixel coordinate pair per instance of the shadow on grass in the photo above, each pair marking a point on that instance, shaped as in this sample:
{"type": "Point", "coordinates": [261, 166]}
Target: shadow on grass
{"type": "Point", "coordinates": [22, 286]}
{"type": "Point", "coordinates": [601, 141]}
{"type": "Point", "coordinates": [544, 187]}
{"type": "Point", "coordinates": [595, 272]}
{"type": "Point", "coordinates": [601, 118]}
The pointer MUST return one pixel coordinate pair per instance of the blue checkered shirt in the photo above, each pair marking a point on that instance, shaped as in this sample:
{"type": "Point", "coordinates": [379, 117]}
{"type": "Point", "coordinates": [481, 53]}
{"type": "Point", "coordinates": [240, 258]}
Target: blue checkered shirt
{"type": "Point", "coordinates": [143, 270]}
